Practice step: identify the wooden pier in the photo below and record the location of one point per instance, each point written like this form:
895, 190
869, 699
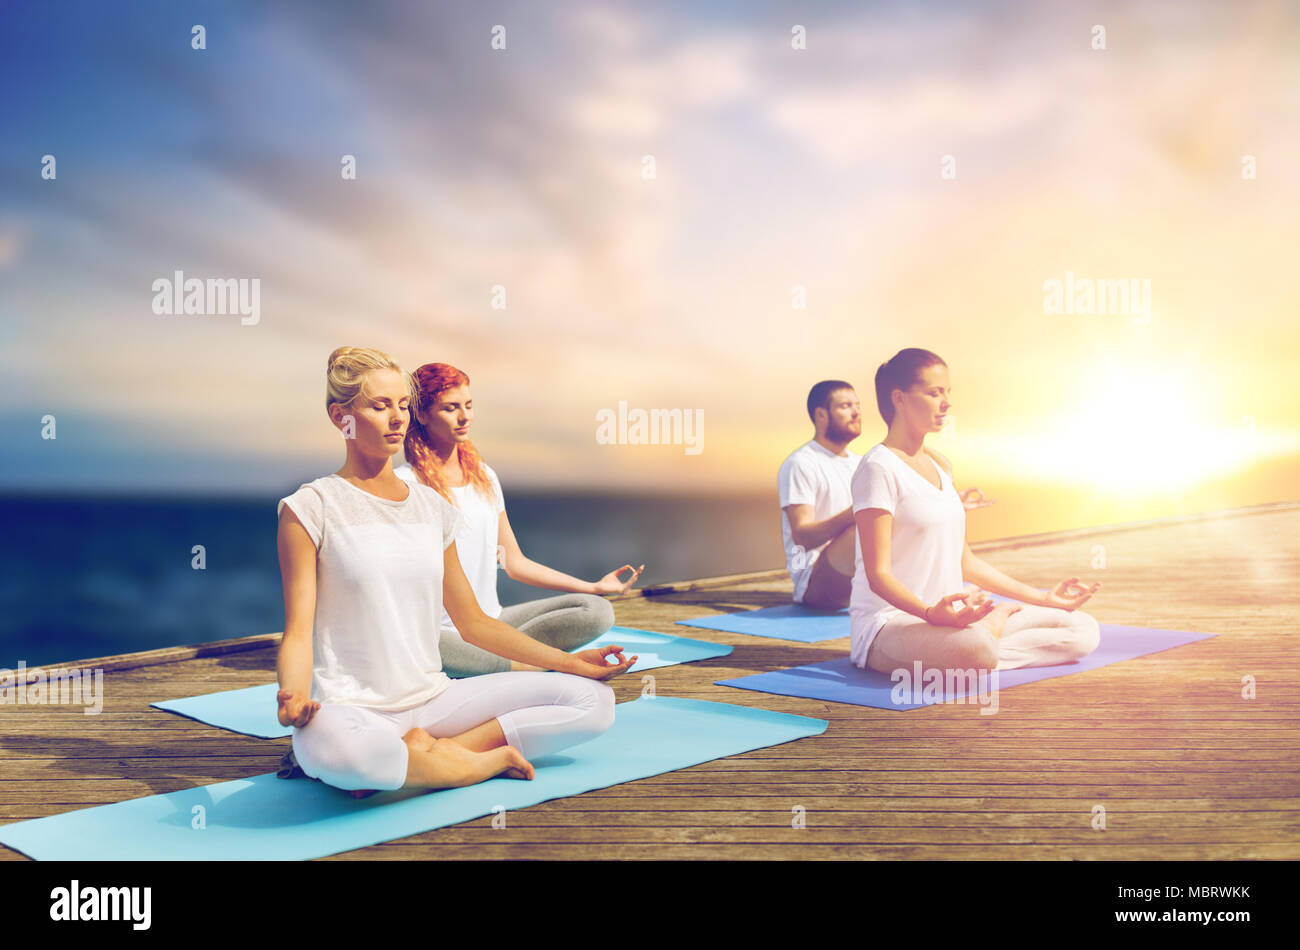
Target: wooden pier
1183, 765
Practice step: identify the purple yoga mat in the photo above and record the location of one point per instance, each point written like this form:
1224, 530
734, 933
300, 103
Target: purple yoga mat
840, 681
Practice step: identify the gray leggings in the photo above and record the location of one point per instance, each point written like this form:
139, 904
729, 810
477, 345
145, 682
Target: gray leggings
565, 622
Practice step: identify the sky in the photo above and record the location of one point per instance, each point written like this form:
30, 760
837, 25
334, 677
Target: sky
916, 175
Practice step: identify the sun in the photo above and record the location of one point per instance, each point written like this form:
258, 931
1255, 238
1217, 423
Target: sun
1140, 430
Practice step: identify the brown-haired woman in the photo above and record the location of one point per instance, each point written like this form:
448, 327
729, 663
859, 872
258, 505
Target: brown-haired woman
910, 602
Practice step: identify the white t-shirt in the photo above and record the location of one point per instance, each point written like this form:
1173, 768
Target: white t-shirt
812, 475
476, 540
929, 534
378, 592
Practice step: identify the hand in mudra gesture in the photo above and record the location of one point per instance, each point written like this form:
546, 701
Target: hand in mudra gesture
945, 613
1069, 594
294, 710
612, 583
600, 670
974, 498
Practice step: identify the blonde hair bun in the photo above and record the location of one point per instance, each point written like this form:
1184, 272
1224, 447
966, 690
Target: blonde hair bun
345, 373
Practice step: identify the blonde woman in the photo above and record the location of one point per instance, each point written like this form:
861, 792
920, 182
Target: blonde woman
367, 562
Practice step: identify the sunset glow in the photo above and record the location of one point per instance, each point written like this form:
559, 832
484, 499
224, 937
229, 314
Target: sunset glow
915, 177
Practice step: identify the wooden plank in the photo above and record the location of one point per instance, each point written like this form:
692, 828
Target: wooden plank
705, 851
1185, 767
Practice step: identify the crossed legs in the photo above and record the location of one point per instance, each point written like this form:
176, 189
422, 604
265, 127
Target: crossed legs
475, 729
565, 622
830, 582
1032, 636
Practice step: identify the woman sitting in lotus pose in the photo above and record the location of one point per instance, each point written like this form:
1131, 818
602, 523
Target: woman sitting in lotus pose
368, 561
909, 601
442, 457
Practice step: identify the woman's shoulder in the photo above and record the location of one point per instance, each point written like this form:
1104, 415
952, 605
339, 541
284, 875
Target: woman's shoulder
496, 484
874, 464
310, 505
876, 456
317, 487
319, 484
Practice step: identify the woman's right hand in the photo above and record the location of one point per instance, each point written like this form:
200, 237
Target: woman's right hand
293, 709
613, 583
597, 668
945, 613
1069, 594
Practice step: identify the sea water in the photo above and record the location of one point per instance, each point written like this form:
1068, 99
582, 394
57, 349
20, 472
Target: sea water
84, 577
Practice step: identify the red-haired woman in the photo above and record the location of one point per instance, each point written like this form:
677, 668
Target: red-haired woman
442, 457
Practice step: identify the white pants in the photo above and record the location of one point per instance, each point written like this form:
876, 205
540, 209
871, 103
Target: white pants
1046, 636
355, 747
1033, 636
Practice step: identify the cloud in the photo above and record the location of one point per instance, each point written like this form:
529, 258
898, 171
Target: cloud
522, 168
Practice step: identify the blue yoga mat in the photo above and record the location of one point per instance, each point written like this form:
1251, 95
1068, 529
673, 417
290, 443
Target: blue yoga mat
252, 711
787, 622
265, 818
841, 682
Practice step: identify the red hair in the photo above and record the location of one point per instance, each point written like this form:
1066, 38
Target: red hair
431, 381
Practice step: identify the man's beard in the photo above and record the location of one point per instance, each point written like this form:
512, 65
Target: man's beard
840, 433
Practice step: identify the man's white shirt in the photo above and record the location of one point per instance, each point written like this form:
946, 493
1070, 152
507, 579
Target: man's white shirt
813, 475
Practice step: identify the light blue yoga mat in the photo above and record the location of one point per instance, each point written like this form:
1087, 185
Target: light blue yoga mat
787, 622
265, 818
841, 682
252, 711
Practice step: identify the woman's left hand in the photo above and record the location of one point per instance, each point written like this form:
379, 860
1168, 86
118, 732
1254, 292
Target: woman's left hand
1069, 594
612, 583
596, 657
974, 498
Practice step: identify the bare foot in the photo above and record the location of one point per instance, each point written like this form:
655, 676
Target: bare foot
996, 619
484, 765
516, 765
419, 740
445, 763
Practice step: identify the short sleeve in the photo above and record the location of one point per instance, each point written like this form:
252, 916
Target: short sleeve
499, 502
797, 483
308, 505
874, 486
451, 519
